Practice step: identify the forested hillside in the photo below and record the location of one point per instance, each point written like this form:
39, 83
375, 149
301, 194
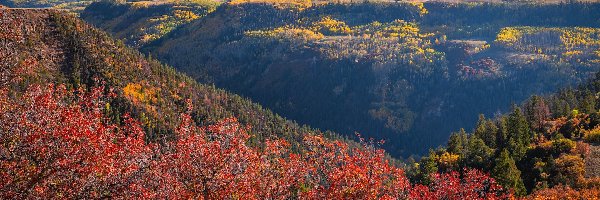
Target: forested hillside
84, 117
536, 146
51, 47
139, 23
408, 73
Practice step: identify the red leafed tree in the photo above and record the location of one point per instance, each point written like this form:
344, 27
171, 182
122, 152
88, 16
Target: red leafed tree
54, 144
473, 184
215, 163
337, 172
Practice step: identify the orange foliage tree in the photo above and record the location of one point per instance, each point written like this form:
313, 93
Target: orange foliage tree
565, 192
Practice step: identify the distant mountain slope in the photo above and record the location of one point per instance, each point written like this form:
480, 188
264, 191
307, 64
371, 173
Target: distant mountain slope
408, 73
59, 4
142, 22
46, 46
78, 5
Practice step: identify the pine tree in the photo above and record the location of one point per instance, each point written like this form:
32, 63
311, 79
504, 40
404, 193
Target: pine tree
478, 155
507, 173
487, 130
588, 103
427, 166
519, 135
458, 142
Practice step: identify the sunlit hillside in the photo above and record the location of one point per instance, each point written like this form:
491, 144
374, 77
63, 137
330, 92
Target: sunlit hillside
322, 99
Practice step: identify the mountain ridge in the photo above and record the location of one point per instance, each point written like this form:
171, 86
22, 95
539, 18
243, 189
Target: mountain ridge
150, 91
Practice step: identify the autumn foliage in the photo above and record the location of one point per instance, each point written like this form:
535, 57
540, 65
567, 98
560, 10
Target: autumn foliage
57, 143
565, 192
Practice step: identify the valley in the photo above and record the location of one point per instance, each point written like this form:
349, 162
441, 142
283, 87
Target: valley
269, 99
447, 70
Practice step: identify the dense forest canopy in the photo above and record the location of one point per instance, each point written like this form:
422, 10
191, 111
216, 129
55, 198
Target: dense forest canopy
408, 73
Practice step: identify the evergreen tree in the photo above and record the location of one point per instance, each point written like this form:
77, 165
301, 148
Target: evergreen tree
588, 103
503, 135
478, 155
487, 131
507, 173
458, 142
519, 134
428, 166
